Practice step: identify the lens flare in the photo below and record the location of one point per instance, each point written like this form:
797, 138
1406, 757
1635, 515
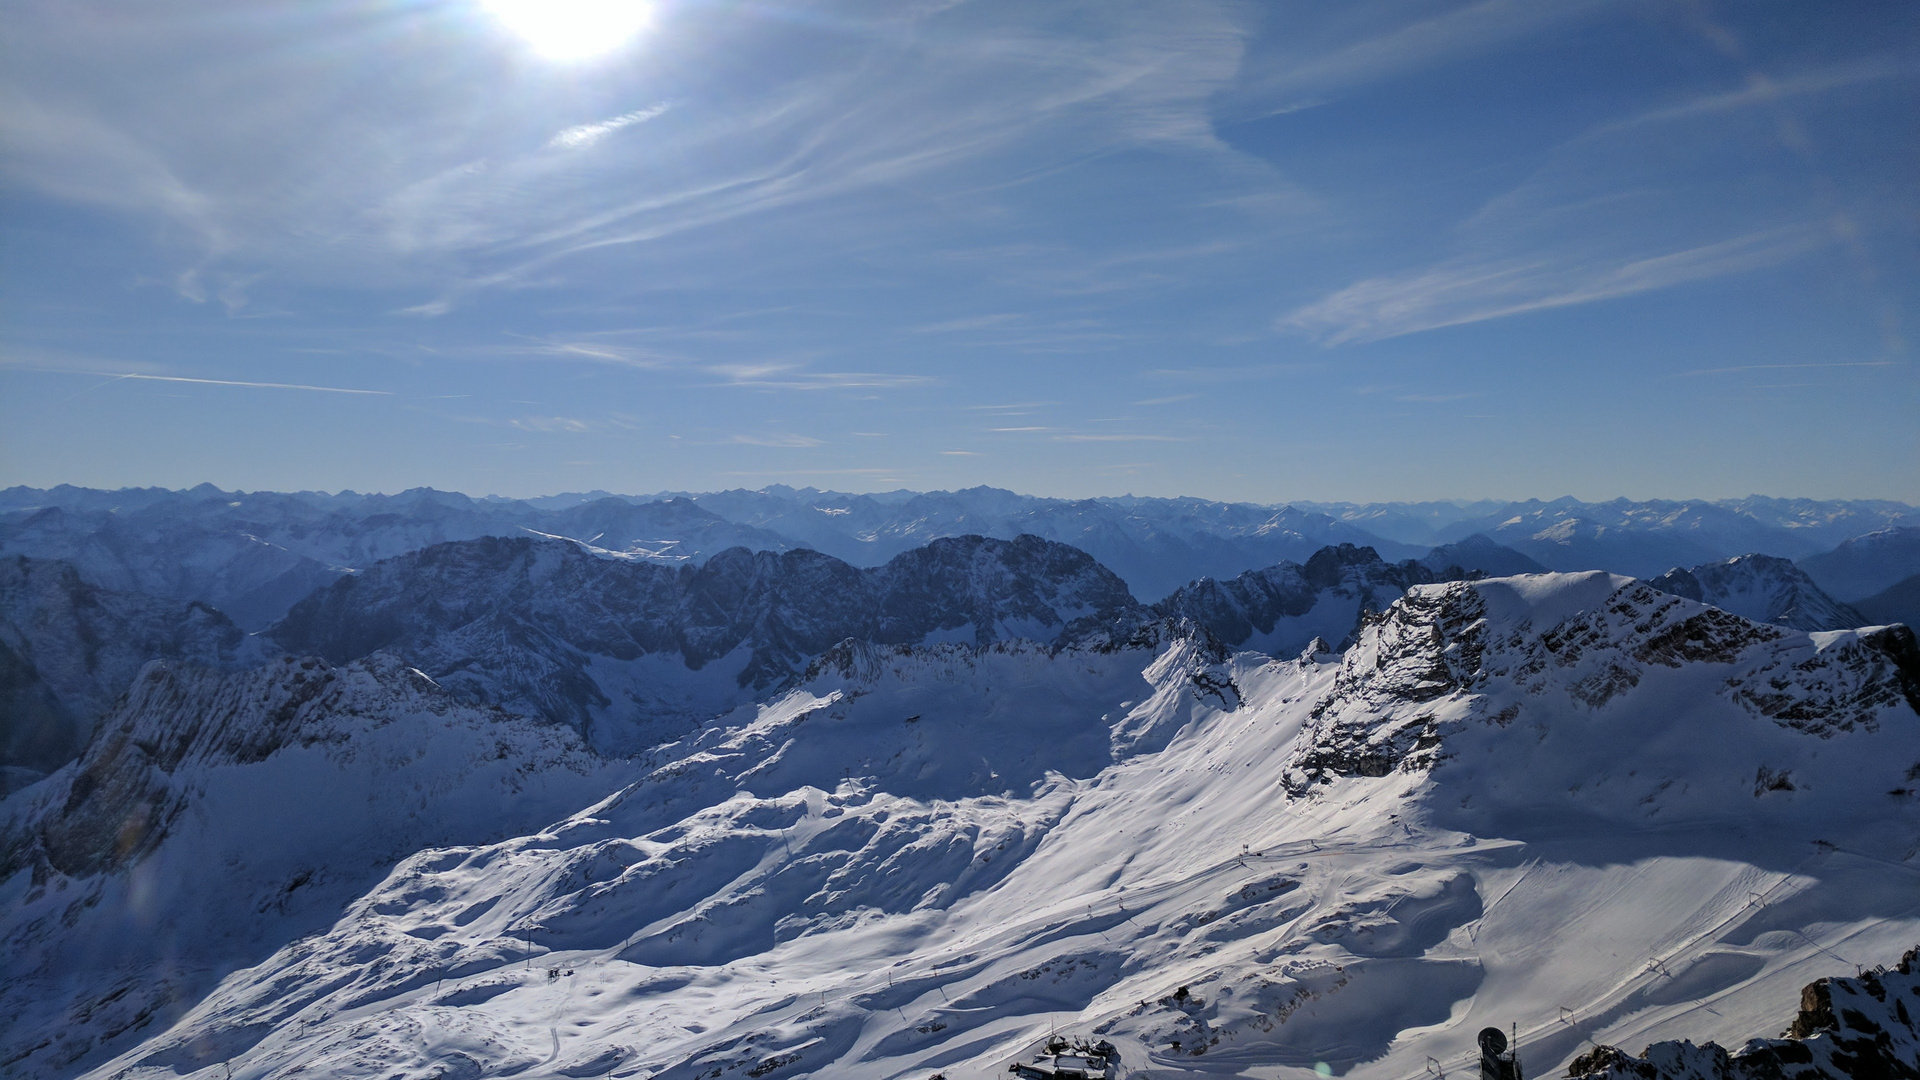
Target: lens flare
572, 29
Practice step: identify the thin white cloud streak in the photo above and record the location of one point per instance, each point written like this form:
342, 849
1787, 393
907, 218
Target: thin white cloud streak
770, 375
1586, 228
815, 472
1761, 91
1244, 373
826, 380
551, 424
1786, 367
783, 442
117, 376
1433, 399
585, 135
1116, 438
1304, 81
1466, 291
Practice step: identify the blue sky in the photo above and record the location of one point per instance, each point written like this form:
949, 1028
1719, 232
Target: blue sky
1497, 248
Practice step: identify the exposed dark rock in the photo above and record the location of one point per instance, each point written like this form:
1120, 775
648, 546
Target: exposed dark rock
519, 621
1763, 588
1281, 608
1858, 1028
68, 648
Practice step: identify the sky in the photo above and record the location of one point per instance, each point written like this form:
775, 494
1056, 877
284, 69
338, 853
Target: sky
1422, 249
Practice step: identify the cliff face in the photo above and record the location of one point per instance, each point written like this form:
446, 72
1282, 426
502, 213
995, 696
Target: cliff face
1279, 610
68, 648
1849, 1028
578, 637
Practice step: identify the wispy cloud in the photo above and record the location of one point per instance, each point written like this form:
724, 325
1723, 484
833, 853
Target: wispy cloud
1395, 46
1591, 223
1169, 400
1229, 374
961, 453
1466, 290
786, 377
1434, 399
113, 376
786, 442
584, 135
550, 424
1763, 90
604, 353
976, 322
1129, 437
1741, 368
877, 473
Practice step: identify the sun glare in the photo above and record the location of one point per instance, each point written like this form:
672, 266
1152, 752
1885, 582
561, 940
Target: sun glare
572, 29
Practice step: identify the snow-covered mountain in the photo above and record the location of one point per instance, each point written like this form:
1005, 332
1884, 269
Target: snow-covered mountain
68, 648
1826, 522
1478, 554
1869, 564
1283, 609
633, 652
216, 817
1569, 803
1626, 537
1156, 545
1764, 588
252, 555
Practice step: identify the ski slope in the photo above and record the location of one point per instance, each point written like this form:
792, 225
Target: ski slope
1567, 804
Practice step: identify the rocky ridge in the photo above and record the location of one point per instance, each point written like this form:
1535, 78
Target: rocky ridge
217, 815
1280, 609
69, 647
1848, 1028
1483, 652
1764, 588
557, 630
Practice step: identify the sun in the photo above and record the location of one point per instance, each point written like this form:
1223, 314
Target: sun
572, 29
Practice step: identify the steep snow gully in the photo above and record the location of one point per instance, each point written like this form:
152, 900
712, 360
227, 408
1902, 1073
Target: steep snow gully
1571, 806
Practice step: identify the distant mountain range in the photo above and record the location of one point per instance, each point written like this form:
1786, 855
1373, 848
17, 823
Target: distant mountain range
252, 555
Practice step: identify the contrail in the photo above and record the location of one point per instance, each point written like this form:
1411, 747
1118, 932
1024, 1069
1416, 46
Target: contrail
223, 382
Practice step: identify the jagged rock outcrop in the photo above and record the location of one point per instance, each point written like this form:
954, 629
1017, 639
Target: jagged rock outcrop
1848, 1028
1446, 655
533, 624
1763, 588
1281, 608
69, 647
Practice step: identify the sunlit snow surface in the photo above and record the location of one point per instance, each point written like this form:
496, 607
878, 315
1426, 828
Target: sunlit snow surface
1600, 813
